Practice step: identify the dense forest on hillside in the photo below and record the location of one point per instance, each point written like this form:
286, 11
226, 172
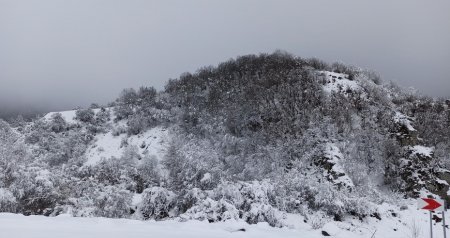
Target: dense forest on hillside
252, 138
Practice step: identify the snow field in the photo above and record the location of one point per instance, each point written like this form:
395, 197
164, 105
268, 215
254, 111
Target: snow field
394, 224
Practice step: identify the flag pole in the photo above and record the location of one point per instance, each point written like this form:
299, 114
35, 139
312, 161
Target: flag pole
431, 226
443, 224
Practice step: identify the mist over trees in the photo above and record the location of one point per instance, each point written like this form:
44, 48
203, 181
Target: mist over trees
252, 138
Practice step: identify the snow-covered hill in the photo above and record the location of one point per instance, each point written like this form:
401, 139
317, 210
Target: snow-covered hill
298, 145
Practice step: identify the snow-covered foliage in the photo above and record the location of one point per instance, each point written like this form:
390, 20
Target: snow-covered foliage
157, 203
255, 138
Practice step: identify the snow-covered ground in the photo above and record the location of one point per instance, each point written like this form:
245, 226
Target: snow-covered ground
394, 224
338, 82
18, 226
153, 142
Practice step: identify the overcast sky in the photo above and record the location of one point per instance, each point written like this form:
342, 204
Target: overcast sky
57, 54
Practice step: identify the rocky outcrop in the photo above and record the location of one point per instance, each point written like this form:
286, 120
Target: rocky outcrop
332, 170
404, 132
418, 169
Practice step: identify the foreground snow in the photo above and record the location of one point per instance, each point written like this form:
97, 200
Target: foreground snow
394, 224
17, 226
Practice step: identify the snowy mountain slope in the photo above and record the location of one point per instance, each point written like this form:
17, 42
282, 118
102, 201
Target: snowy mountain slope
269, 139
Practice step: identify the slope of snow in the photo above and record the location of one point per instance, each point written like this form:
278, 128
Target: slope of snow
152, 142
336, 82
106, 146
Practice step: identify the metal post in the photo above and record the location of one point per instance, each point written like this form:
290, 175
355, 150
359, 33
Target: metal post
443, 224
431, 226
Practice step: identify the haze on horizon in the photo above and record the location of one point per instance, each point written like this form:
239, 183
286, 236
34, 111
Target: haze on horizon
57, 55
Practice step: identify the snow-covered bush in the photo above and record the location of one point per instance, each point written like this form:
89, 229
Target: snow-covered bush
263, 213
8, 202
35, 192
102, 116
247, 201
112, 202
212, 211
192, 164
253, 202
125, 104
317, 220
108, 201
131, 154
148, 172
85, 115
136, 125
304, 193
57, 124
118, 130
108, 172
157, 203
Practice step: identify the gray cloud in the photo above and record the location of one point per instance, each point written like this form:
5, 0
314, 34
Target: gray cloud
60, 54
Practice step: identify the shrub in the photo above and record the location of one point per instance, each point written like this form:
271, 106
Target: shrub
102, 116
35, 193
112, 202
108, 201
108, 172
136, 125
57, 124
148, 171
118, 130
157, 202
85, 115
212, 211
8, 202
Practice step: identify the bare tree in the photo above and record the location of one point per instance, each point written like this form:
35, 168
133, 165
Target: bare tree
414, 229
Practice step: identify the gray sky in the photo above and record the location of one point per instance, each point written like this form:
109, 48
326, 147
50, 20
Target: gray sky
58, 54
